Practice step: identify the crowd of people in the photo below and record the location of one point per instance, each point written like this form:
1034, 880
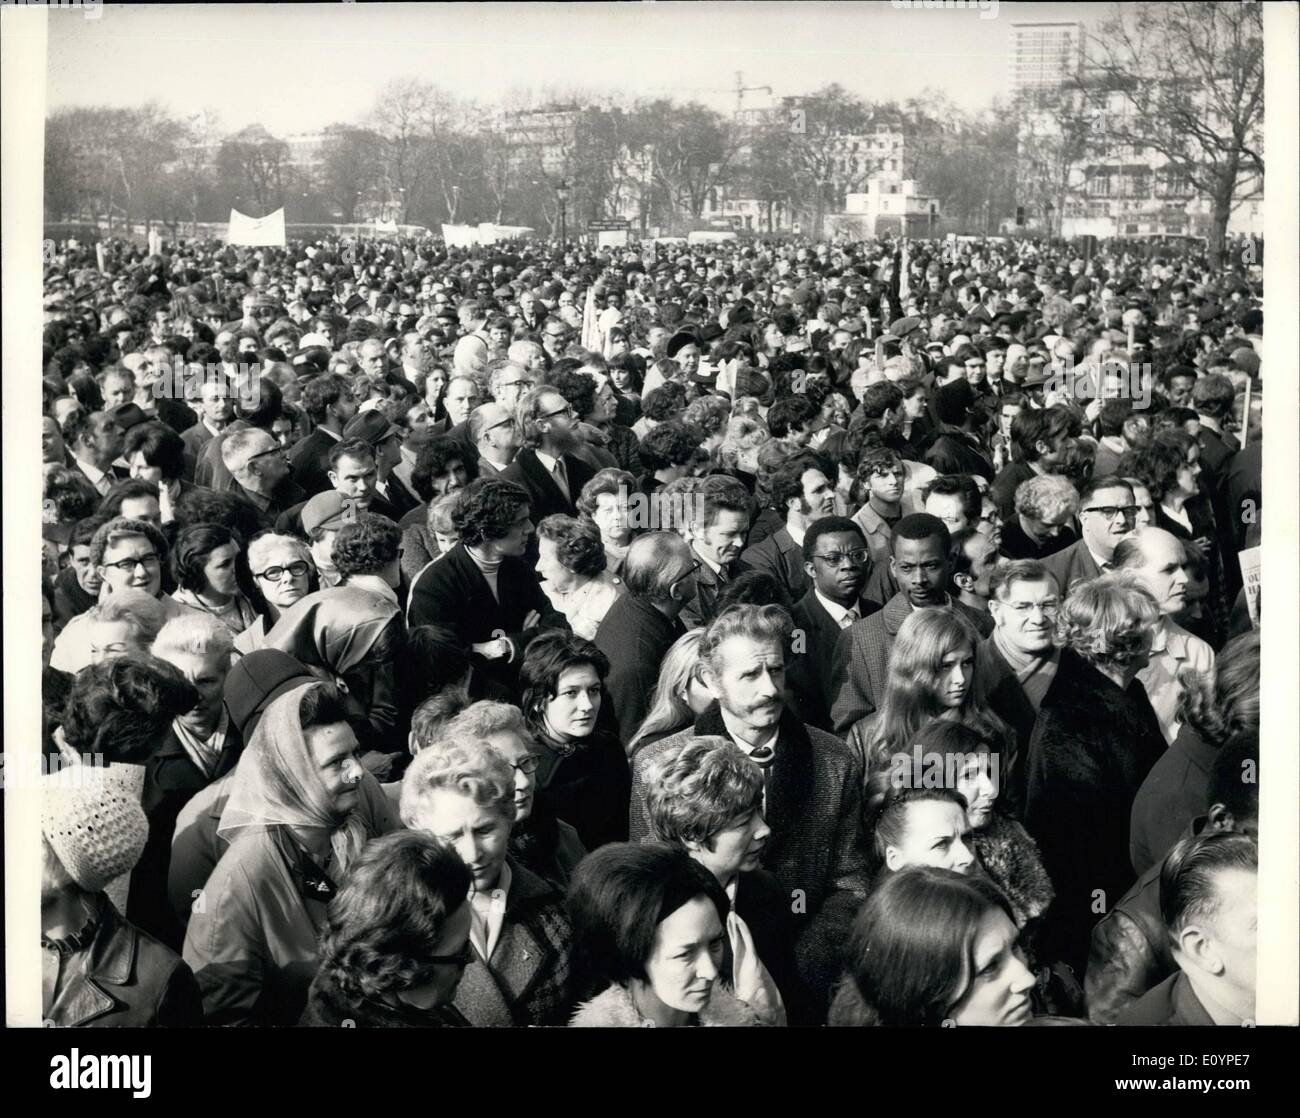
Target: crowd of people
763, 633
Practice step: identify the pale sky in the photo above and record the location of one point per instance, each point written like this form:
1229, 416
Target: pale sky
295, 68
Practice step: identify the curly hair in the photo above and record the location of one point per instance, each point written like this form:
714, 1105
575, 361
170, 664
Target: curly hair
466, 766
434, 459
577, 388
366, 545
108, 533
612, 481
1220, 704
699, 788
664, 403
1109, 620
669, 444
120, 709
789, 413
577, 543
488, 511
1046, 496
709, 413
69, 494
391, 913
1157, 464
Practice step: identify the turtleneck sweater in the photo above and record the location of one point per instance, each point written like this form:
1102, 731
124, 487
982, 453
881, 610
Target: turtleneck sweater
489, 567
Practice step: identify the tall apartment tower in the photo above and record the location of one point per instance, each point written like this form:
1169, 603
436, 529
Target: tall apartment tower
1044, 54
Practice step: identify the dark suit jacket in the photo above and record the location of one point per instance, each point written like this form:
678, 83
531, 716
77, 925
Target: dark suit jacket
1072, 564
544, 496
1092, 747
1243, 481
862, 658
1173, 793
453, 593
782, 558
814, 803
1216, 450
309, 457
810, 669
1003, 489
953, 452
634, 636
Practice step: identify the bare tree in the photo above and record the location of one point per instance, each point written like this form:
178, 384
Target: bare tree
1189, 78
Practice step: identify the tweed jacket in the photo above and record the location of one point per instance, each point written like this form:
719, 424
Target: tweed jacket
634, 636
782, 558
614, 1009
525, 980
1092, 746
545, 497
814, 808
452, 593
862, 658
809, 671
1130, 953
1071, 565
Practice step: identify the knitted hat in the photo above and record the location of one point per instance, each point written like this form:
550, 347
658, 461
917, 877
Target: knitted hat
94, 824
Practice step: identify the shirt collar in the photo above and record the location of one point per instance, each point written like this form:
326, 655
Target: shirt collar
547, 461
795, 534
743, 745
836, 610
91, 470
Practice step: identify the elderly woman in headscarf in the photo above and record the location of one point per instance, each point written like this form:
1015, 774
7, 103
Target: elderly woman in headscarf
352, 637
296, 819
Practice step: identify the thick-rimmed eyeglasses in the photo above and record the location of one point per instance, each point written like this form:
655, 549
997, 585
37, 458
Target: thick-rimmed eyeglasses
857, 557
528, 765
128, 566
1110, 512
567, 410
274, 574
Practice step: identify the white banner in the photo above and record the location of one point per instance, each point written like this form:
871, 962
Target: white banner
460, 236
385, 226
245, 230
612, 238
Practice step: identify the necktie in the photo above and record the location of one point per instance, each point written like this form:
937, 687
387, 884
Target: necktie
561, 478
848, 619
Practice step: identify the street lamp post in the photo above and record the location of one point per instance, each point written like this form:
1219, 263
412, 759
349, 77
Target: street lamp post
562, 194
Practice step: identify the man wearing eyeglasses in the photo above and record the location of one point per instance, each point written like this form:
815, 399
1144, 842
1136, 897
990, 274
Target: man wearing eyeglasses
836, 560
1019, 659
1107, 513
495, 435
546, 467
259, 472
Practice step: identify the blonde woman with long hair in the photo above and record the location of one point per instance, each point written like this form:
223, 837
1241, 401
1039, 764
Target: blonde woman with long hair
931, 675
679, 695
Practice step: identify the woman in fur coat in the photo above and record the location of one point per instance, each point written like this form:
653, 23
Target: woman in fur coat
650, 941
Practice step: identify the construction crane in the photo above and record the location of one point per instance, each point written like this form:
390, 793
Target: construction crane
742, 89
739, 89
